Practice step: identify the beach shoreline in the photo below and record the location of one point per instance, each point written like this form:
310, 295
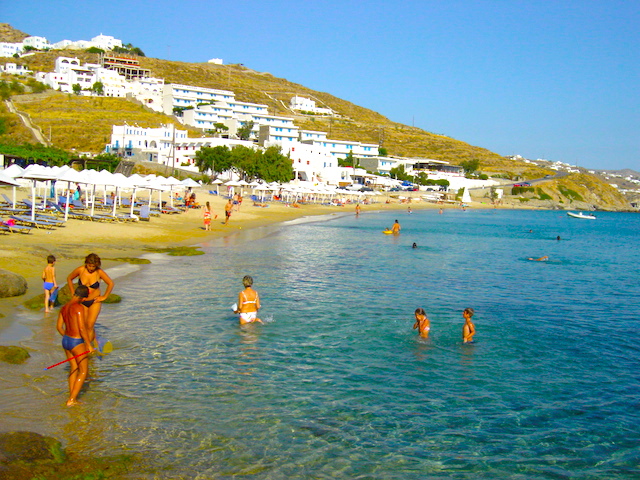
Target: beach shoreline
117, 243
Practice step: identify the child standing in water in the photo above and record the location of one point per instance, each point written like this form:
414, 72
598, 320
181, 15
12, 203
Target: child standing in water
469, 329
72, 326
49, 283
422, 323
248, 303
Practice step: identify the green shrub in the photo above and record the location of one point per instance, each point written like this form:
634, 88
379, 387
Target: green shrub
542, 195
570, 194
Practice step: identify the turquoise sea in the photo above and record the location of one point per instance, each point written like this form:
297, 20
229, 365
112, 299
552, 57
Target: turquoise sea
337, 385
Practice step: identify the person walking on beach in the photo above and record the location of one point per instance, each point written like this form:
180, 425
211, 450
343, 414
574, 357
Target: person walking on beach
468, 329
72, 325
207, 217
422, 323
227, 211
49, 284
395, 228
90, 275
248, 302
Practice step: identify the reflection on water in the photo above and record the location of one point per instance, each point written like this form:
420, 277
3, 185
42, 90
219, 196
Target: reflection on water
340, 386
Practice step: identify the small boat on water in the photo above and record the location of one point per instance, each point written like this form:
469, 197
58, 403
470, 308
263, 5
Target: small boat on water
582, 215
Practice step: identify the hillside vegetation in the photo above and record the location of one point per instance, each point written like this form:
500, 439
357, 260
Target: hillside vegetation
84, 124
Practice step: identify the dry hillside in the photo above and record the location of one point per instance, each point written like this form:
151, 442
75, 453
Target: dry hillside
8, 34
351, 122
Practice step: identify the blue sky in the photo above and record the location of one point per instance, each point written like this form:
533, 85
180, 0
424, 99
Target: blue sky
547, 79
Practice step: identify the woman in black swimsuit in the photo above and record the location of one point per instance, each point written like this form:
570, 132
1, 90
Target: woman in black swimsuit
90, 275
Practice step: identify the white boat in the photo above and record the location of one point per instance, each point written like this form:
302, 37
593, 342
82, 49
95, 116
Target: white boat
582, 215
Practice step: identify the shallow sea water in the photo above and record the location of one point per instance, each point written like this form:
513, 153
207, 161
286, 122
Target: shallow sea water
337, 385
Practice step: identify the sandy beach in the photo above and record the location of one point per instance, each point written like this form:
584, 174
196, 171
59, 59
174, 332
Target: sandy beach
25, 254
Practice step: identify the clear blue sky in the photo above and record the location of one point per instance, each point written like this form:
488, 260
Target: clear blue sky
547, 79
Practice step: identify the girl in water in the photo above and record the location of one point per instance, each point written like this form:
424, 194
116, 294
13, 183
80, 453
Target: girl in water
90, 275
248, 303
422, 323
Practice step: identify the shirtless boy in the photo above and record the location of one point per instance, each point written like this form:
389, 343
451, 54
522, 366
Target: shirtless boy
422, 323
227, 211
75, 340
469, 329
248, 303
49, 283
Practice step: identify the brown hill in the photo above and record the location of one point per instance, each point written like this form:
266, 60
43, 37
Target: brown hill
351, 122
9, 34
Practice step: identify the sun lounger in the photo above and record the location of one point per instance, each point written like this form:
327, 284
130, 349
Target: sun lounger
170, 209
10, 227
24, 220
50, 219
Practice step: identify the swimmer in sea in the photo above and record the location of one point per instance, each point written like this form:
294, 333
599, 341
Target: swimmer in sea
422, 323
541, 259
469, 329
248, 303
396, 228
415, 245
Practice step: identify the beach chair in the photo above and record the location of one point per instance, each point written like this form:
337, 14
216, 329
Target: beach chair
24, 220
29, 205
170, 209
10, 226
145, 213
49, 218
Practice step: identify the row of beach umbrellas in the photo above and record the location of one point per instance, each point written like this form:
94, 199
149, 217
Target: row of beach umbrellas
92, 179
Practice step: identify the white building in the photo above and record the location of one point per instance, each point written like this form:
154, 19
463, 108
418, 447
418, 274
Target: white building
105, 42
149, 144
215, 61
69, 71
307, 105
165, 145
14, 69
10, 49
39, 43
187, 96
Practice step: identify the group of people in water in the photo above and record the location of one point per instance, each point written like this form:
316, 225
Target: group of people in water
423, 324
77, 318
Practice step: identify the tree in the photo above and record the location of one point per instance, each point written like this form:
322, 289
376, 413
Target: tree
470, 166
399, 174
98, 88
112, 159
274, 166
214, 159
244, 132
76, 88
382, 151
245, 161
94, 50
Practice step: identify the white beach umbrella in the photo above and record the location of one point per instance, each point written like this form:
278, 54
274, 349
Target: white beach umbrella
190, 182
36, 173
70, 176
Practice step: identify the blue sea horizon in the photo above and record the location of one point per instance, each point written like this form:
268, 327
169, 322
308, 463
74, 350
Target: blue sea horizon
336, 384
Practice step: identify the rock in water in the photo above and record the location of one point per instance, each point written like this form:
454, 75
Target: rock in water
11, 284
29, 447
